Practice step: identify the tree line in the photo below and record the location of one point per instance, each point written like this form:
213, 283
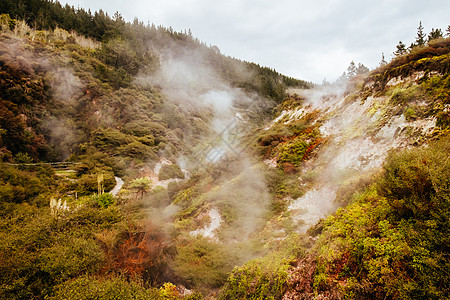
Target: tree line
421, 39
129, 46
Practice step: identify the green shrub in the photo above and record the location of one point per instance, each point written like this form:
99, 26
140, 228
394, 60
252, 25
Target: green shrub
147, 140
115, 287
22, 158
69, 256
137, 150
417, 181
293, 152
88, 217
443, 119
40, 251
351, 188
22, 185
258, 279
104, 200
88, 183
410, 114
204, 264
437, 88
169, 172
109, 138
142, 128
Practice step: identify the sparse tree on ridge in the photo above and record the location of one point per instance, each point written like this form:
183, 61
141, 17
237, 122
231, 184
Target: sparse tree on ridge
435, 34
325, 82
448, 31
342, 78
362, 69
383, 61
420, 39
401, 49
351, 70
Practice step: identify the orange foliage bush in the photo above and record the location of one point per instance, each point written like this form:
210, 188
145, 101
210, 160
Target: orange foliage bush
142, 252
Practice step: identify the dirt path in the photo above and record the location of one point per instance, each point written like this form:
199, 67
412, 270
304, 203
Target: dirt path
118, 187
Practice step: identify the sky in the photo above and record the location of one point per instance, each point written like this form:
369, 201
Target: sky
310, 40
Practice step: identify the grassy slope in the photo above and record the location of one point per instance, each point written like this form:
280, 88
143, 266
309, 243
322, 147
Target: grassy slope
391, 241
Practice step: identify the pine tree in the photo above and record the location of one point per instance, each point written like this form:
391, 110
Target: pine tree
420, 39
362, 69
401, 49
448, 31
351, 70
342, 78
435, 34
383, 62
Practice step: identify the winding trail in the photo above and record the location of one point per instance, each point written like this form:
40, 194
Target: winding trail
118, 187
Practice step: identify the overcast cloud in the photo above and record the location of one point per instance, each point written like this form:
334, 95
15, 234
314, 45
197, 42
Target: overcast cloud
309, 40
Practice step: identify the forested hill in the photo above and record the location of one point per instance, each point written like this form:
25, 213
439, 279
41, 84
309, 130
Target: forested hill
140, 39
118, 51
138, 162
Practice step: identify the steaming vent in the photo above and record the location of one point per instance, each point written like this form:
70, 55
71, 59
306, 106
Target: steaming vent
359, 136
209, 229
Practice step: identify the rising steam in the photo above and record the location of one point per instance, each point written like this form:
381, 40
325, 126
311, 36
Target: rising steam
359, 137
64, 85
193, 85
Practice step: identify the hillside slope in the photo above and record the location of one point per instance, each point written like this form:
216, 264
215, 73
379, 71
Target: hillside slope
377, 151
236, 181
